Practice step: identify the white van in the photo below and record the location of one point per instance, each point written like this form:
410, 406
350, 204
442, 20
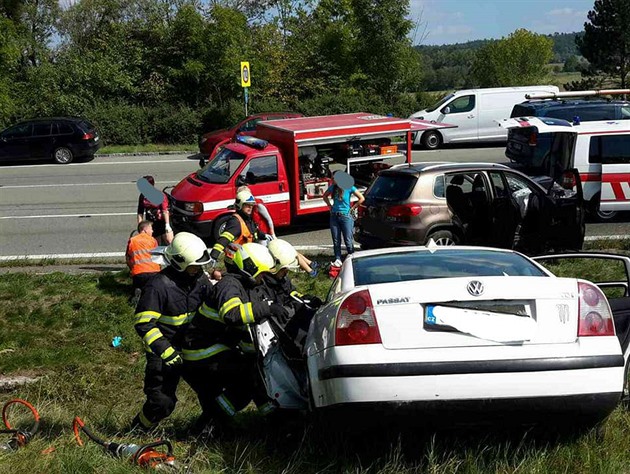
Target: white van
600, 151
474, 112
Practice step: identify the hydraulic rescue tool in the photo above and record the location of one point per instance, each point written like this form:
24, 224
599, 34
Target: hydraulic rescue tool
144, 455
20, 437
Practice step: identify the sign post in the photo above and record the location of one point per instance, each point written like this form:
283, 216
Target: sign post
246, 81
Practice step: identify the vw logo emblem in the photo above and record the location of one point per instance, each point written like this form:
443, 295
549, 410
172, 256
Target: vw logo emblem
475, 288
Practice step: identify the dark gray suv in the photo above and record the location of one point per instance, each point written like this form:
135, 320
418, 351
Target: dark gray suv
471, 203
584, 110
60, 139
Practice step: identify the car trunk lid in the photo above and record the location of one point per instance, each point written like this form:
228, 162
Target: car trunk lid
446, 313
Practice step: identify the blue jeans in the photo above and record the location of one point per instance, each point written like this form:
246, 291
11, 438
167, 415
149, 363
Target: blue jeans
341, 224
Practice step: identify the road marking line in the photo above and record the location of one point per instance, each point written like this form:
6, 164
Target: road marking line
72, 215
110, 163
75, 184
67, 256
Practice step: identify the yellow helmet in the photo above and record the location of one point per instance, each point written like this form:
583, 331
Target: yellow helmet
284, 253
185, 250
244, 197
252, 259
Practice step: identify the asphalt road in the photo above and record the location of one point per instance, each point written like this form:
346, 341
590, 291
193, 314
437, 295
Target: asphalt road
90, 207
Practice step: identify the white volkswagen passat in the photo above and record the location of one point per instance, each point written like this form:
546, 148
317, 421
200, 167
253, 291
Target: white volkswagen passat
463, 329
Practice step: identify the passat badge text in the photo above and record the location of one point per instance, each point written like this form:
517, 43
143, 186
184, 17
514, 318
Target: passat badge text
404, 299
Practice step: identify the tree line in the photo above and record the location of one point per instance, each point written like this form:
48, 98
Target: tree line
166, 70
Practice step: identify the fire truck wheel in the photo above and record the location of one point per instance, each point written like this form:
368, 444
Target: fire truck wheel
218, 227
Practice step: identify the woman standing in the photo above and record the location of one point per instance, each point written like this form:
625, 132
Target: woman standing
156, 213
341, 220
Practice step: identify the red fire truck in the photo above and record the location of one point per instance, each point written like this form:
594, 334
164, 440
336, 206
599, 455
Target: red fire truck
288, 165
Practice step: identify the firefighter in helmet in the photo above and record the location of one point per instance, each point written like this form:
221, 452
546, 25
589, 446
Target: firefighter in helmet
280, 289
240, 228
217, 348
165, 309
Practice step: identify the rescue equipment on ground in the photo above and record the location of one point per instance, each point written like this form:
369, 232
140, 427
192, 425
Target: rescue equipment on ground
20, 437
143, 455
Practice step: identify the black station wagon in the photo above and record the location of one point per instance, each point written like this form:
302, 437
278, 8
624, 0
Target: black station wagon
60, 139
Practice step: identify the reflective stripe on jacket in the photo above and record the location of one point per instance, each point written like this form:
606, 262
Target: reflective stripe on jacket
223, 318
238, 229
165, 309
139, 254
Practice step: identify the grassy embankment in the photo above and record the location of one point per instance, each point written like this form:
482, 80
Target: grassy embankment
148, 148
59, 327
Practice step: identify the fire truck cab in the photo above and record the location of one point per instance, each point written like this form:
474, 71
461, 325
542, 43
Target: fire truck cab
288, 165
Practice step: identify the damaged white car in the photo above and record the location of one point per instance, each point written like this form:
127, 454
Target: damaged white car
465, 330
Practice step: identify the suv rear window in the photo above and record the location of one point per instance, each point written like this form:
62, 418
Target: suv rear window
85, 126
522, 111
392, 187
422, 265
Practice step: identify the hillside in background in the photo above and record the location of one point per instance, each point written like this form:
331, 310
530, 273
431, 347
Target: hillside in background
446, 66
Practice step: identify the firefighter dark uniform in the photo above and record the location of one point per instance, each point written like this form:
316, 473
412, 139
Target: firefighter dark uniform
216, 359
240, 229
164, 311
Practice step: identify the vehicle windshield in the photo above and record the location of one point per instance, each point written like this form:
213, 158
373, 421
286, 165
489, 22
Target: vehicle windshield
424, 265
440, 103
222, 167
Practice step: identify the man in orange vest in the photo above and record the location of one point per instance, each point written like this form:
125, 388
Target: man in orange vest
138, 255
240, 228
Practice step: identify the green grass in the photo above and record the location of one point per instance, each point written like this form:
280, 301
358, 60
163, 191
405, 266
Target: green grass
59, 327
149, 148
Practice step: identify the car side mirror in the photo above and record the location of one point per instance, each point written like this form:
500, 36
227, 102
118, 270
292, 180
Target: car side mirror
446, 110
240, 180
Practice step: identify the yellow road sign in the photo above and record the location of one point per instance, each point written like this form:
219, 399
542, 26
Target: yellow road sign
246, 76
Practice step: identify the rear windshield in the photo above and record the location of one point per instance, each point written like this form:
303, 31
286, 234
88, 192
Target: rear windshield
391, 187
520, 110
222, 167
85, 126
545, 153
443, 263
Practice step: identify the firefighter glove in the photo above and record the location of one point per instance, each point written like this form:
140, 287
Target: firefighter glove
174, 360
312, 301
280, 313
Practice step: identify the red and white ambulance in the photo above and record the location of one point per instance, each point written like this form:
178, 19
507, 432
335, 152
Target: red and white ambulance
600, 151
288, 165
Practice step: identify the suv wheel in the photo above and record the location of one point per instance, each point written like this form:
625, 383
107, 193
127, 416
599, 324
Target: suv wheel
62, 155
443, 237
431, 140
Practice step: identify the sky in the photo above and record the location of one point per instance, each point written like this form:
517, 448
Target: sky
458, 21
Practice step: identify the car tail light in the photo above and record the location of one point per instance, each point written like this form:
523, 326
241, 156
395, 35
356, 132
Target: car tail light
568, 180
533, 139
361, 211
404, 212
195, 208
356, 321
595, 318
88, 136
